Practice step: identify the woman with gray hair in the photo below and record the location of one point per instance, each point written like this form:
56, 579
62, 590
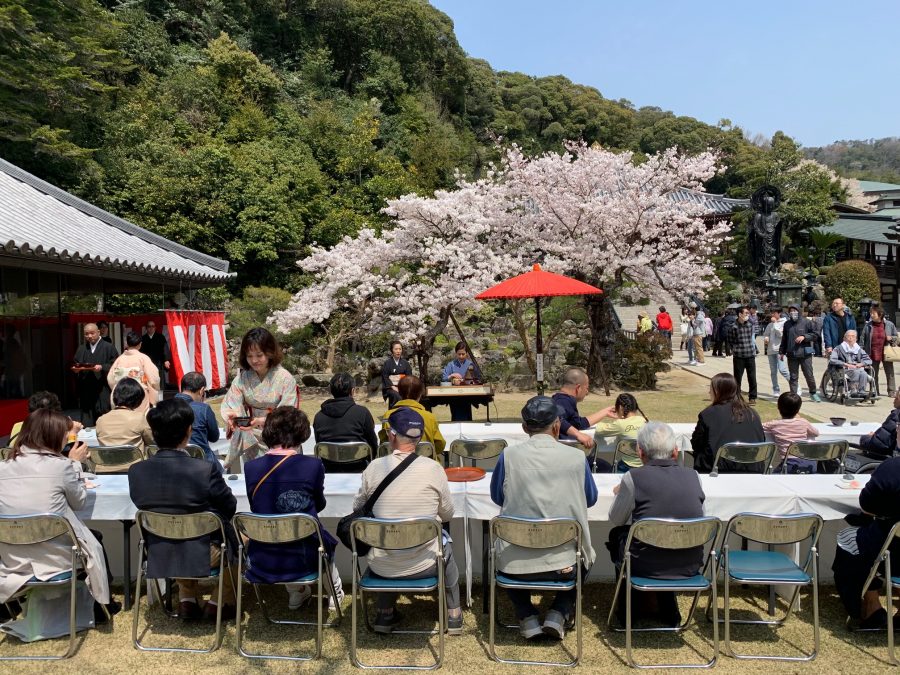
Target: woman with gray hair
850, 356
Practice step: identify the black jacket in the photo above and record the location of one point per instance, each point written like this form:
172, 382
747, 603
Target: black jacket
884, 440
792, 330
715, 427
881, 498
171, 481
391, 367
341, 420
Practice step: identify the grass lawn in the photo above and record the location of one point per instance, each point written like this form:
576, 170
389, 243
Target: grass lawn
109, 649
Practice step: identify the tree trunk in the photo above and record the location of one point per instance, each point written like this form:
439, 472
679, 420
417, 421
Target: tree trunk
518, 315
425, 347
603, 337
330, 354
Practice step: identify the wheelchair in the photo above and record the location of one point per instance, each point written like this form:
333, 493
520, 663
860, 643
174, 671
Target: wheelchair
835, 386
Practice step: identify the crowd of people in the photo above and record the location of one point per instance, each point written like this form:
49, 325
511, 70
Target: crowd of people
267, 431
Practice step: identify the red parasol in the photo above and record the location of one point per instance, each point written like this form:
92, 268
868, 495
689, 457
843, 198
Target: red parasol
537, 284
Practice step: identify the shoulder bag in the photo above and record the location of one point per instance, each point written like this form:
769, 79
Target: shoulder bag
365, 511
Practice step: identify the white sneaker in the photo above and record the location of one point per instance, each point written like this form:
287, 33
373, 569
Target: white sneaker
692, 363
296, 599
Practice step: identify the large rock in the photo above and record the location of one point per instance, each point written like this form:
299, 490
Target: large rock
316, 379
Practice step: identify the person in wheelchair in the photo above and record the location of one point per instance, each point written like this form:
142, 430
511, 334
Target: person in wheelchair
850, 356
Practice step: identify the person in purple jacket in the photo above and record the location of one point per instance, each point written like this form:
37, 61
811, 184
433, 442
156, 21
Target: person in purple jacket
285, 481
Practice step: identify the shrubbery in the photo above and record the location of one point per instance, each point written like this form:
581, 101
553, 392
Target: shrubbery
851, 281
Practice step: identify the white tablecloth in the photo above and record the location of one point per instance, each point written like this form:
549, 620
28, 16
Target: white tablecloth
220, 447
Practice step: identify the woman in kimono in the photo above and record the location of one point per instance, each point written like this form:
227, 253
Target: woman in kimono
261, 386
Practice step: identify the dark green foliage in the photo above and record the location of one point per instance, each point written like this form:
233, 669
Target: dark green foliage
637, 361
851, 281
877, 159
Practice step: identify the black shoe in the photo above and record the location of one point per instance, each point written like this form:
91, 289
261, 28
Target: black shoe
189, 611
229, 612
384, 623
877, 620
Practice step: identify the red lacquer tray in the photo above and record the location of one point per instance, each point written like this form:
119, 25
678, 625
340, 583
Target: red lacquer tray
464, 474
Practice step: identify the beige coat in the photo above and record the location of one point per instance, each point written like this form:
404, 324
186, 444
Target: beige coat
124, 427
132, 363
40, 483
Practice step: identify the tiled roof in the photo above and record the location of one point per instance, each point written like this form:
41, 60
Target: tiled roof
872, 227
868, 186
715, 204
43, 222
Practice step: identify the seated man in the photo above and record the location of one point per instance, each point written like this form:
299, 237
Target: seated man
853, 358
411, 391
206, 428
342, 420
174, 482
575, 386
661, 488
565, 490
421, 490
858, 546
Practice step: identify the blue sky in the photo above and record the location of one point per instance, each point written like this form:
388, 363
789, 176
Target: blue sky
819, 70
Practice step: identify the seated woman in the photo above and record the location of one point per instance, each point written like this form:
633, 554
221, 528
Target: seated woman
883, 441
285, 481
461, 370
728, 419
850, 356
623, 419
125, 424
411, 392
38, 479
858, 547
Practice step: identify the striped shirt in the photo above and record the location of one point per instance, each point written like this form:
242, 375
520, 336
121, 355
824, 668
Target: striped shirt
421, 490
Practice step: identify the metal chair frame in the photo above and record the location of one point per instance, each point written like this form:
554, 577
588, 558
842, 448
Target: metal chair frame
423, 448
343, 453
819, 451
539, 534
475, 450
674, 534
730, 452
191, 526
97, 452
282, 529
391, 535
773, 530
625, 447
835, 385
36, 529
193, 450
884, 557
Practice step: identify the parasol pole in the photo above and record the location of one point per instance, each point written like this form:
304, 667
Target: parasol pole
539, 348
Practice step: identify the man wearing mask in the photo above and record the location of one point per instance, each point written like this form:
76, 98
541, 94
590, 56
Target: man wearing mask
837, 322
797, 340
742, 335
93, 359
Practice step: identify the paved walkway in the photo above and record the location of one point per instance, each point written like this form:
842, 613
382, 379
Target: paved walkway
863, 412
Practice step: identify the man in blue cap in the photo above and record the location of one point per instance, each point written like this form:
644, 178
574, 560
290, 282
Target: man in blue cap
420, 490
542, 478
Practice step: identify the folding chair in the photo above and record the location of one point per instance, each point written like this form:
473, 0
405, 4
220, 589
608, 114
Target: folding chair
769, 568
115, 459
179, 527
818, 451
343, 453
746, 453
423, 448
538, 534
891, 582
475, 451
395, 535
290, 528
194, 451
671, 534
626, 448
37, 529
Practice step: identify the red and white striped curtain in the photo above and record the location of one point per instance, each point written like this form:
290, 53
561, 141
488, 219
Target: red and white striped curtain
197, 342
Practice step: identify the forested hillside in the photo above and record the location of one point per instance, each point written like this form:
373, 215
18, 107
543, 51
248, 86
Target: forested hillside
877, 159
250, 129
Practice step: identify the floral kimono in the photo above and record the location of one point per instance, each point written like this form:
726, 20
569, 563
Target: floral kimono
251, 396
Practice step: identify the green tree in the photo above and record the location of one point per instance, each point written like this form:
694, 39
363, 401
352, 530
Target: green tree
852, 280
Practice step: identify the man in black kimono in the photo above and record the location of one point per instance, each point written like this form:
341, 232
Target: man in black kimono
155, 346
93, 389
